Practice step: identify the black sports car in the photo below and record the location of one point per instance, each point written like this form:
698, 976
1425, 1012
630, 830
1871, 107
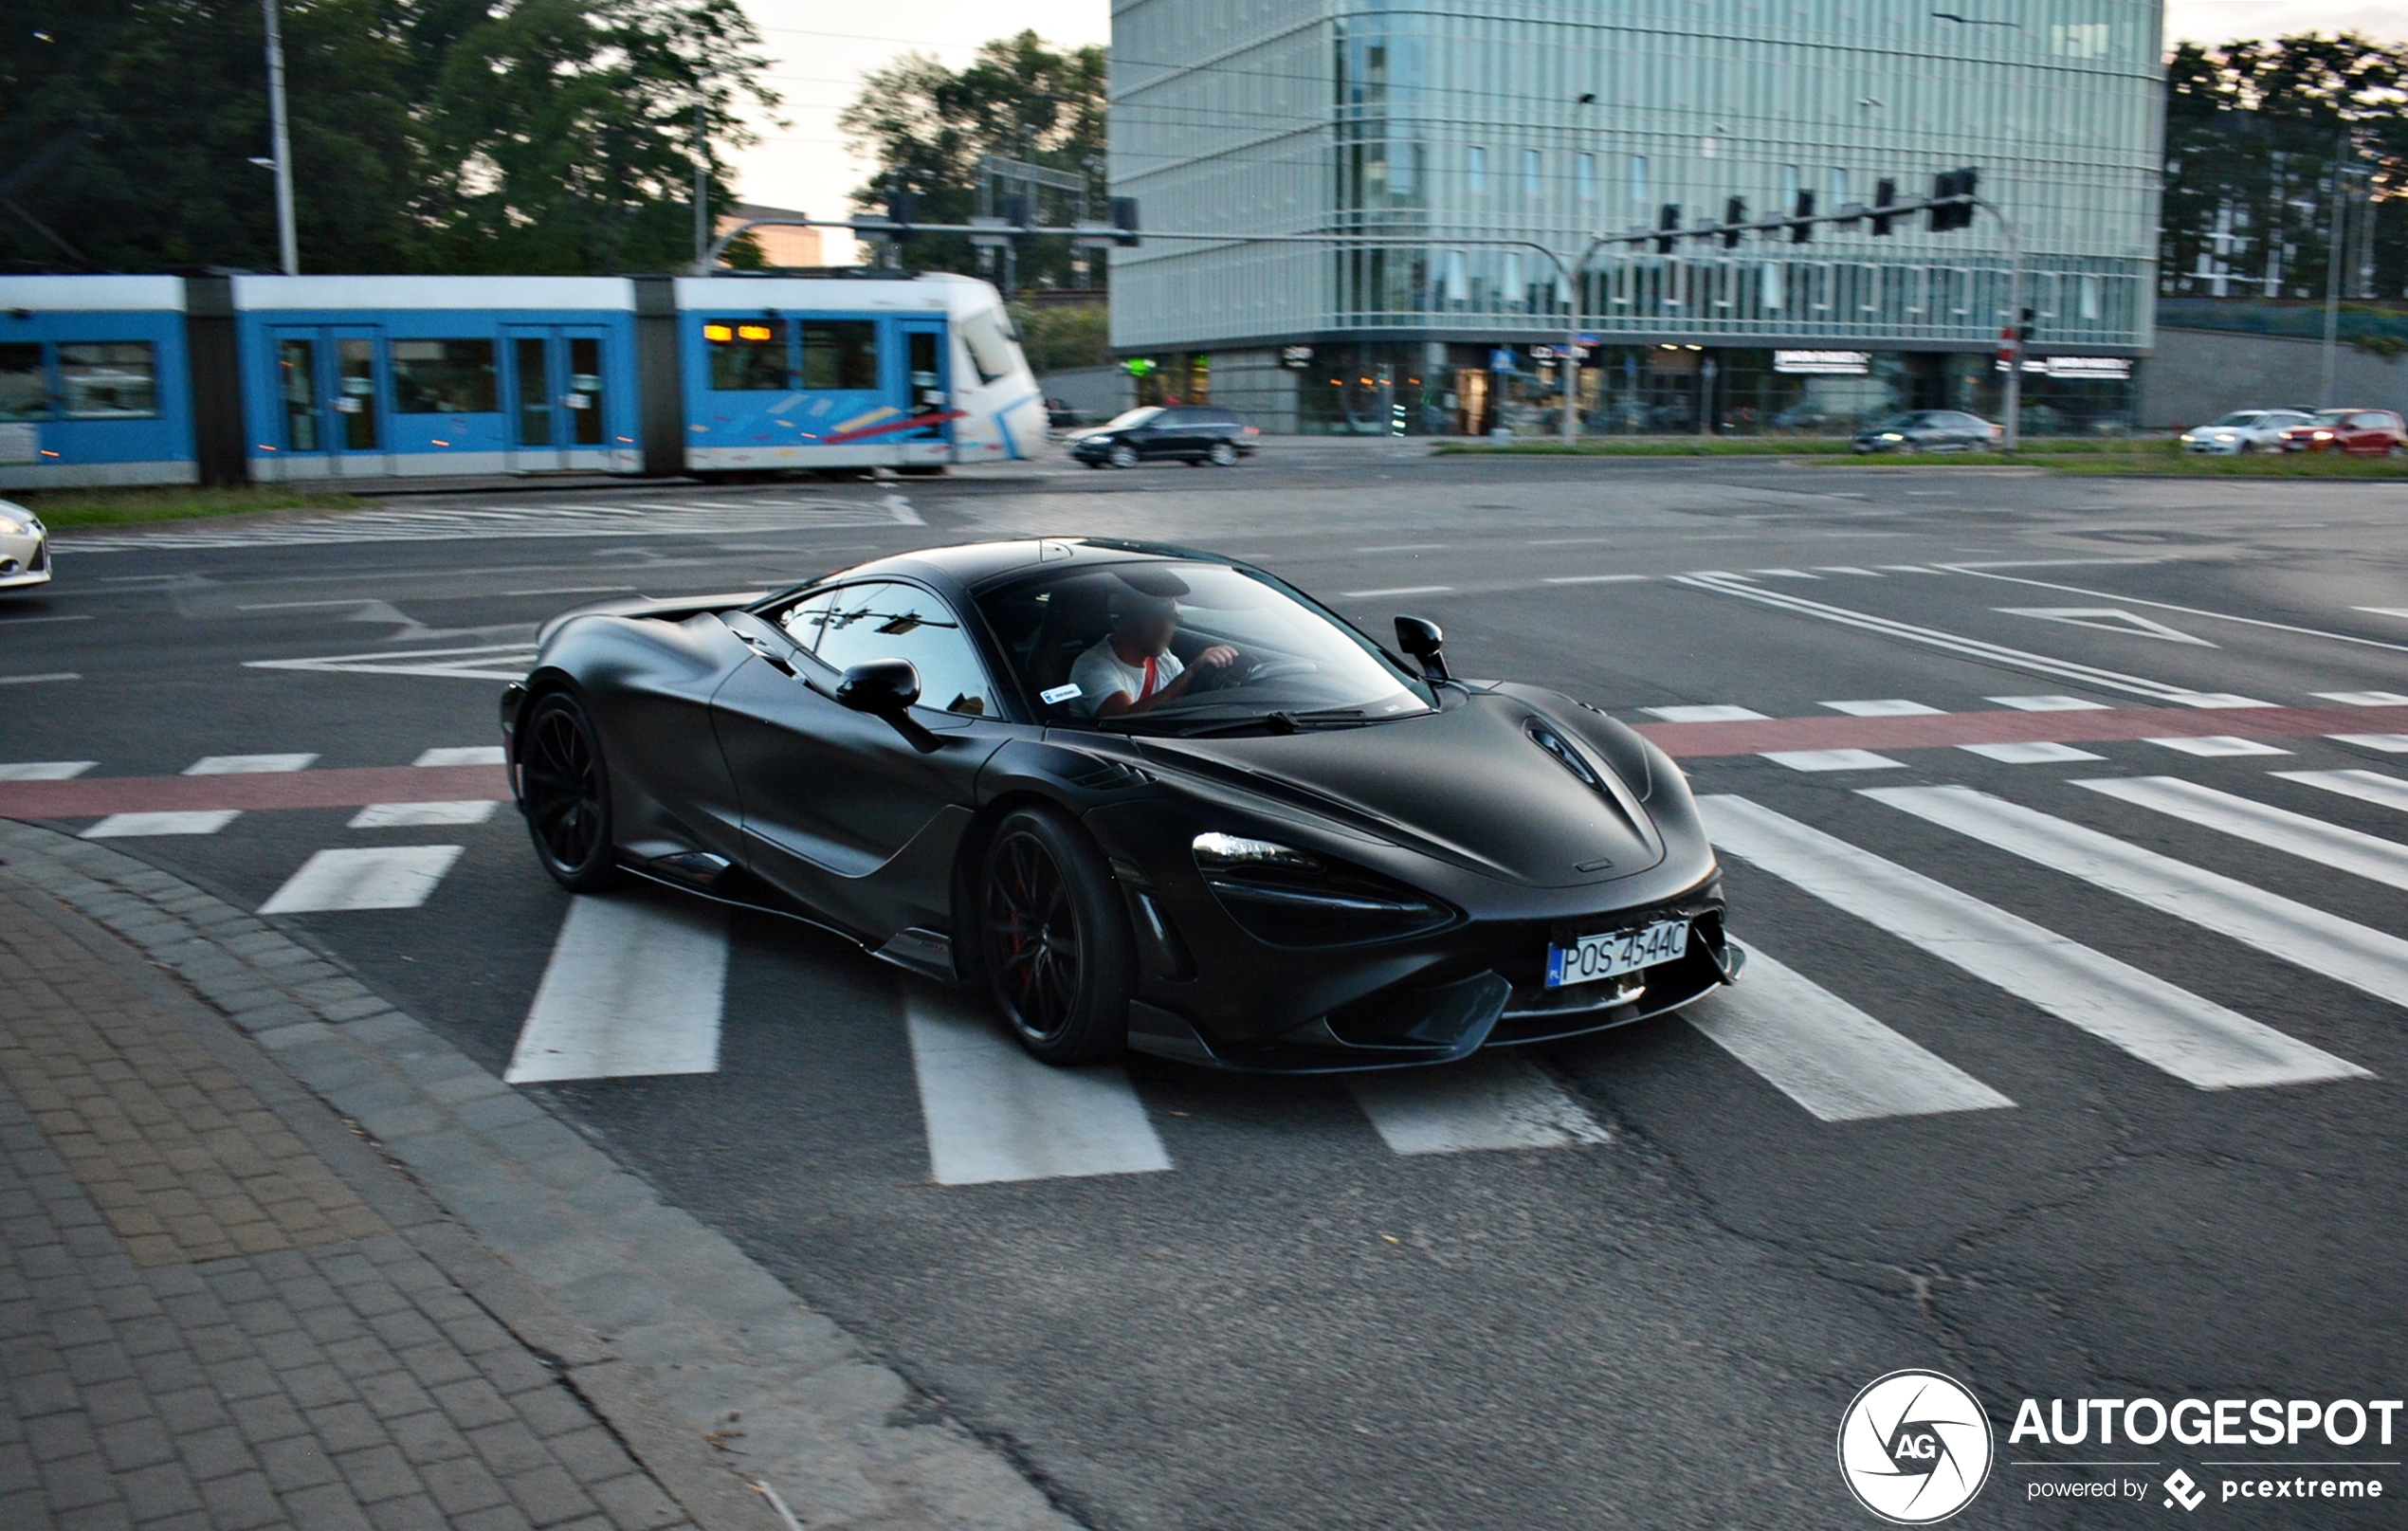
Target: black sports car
1142, 797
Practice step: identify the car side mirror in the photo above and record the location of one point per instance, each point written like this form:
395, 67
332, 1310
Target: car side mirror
1421, 638
883, 688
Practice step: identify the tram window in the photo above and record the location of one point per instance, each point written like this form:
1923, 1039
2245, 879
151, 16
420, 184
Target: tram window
990, 342
444, 378
24, 392
109, 380
748, 355
840, 354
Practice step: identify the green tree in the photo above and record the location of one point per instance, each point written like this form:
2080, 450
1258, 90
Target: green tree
2255, 131
926, 126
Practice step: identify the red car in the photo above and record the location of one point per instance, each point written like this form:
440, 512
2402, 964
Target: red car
2359, 432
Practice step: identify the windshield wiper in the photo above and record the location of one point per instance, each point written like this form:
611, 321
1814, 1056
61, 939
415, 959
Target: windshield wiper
1278, 722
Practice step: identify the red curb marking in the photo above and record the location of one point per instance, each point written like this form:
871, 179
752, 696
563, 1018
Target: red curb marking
94, 797
1930, 731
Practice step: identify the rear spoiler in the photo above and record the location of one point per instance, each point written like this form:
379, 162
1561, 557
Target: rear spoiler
669, 609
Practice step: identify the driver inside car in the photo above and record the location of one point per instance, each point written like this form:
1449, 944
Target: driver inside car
1132, 668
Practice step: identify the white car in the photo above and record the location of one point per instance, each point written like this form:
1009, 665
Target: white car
2245, 430
24, 548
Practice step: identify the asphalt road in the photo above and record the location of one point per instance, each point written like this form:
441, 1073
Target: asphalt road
1657, 1317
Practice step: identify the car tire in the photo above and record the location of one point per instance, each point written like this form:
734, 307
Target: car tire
2398, 449
1224, 454
1053, 941
564, 792
1123, 455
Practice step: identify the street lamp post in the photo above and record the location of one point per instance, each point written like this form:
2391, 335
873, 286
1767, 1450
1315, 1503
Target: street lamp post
288, 244
2013, 338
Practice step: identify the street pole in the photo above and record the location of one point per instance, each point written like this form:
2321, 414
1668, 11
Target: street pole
2013, 338
288, 242
703, 249
2333, 281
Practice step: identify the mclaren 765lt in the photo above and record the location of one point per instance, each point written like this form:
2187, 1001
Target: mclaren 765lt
1140, 796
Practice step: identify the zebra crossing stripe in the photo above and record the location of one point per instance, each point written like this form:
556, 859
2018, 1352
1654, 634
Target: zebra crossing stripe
634, 989
2366, 786
2196, 1040
2370, 856
1829, 1056
2365, 959
993, 1113
1491, 1101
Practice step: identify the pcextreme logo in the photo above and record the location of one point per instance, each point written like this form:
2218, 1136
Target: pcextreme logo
1915, 1447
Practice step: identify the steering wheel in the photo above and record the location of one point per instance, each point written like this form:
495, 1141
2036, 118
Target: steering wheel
1272, 669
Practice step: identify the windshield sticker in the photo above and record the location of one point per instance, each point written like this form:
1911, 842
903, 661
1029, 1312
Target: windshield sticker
1059, 695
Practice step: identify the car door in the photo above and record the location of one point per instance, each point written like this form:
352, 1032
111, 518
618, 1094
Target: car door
1167, 434
856, 814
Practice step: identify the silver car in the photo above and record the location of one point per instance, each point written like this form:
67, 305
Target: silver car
2244, 431
24, 548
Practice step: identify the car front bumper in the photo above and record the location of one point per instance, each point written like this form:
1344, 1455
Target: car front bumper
25, 560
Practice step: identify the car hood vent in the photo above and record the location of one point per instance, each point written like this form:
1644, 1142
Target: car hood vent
1543, 734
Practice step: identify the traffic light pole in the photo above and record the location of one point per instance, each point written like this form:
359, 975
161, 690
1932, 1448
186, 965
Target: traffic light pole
2011, 346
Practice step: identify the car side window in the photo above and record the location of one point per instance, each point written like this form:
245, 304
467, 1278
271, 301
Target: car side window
2371, 420
803, 620
1172, 419
885, 619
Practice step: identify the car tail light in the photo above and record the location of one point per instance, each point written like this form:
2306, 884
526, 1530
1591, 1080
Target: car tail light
1253, 430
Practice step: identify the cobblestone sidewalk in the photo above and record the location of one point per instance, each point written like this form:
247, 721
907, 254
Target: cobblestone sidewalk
202, 1324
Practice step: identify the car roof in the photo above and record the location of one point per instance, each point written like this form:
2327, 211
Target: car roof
973, 566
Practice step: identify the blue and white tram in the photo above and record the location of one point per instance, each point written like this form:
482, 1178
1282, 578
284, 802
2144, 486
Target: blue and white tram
217, 379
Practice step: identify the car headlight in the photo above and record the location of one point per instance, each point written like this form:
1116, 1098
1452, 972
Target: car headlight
1891, 435
1284, 896
2323, 435
11, 528
2187, 437
2226, 435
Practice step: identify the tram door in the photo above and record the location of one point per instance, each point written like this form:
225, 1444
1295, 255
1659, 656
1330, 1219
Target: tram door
928, 378
331, 395
557, 402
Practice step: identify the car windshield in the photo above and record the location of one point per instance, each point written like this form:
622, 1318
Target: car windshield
2238, 417
1132, 417
1901, 422
2331, 417
1178, 646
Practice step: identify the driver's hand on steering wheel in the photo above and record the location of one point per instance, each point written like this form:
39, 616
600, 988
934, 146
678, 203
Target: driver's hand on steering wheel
1218, 657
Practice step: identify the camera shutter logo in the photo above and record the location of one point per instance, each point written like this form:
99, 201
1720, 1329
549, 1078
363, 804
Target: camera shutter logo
1915, 1448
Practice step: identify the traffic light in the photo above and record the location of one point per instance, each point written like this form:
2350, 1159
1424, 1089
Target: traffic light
1668, 221
1953, 214
1734, 214
1125, 219
1802, 231
2023, 331
1884, 192
899, 205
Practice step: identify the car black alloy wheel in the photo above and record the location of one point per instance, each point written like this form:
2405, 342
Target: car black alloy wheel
1060, 962
1123, 455
565, 794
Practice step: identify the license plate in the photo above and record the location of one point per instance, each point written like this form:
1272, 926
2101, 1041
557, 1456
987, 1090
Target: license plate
1592, 957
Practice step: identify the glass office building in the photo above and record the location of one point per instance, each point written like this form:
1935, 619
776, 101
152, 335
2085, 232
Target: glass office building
1479, 148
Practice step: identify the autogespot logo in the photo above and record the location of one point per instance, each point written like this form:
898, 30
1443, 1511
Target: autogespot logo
1915, 1448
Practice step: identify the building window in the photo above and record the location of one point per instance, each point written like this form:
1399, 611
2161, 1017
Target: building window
1839, 189
2083, 40
1530, 172
1789, 189
2090, 297
1475, 170
1638, 180
1586, 172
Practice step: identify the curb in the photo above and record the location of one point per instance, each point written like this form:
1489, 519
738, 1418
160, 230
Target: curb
718, 1380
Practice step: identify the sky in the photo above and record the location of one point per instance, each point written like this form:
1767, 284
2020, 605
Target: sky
821, 51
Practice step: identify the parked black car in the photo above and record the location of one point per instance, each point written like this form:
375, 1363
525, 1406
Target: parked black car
1931, 430
1191, 432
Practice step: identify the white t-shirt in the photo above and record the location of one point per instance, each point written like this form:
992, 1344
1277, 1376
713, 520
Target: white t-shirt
1100, 672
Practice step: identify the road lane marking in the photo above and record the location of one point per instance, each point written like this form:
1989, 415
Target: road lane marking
2388, 743
484, 661
634, 989
1709, 713
459, 754
1399, 590
2366, 959
1884, 708
2196, 1040
2036, 752
44, 770
2212, 700
188, 821
993, 1113
40, 680
1830, 1057
1489, 1100
2366, 786
2049, 704
1988, 572
2346, 849
1783, 573
2214, 745
248, 765
2362, 698
379, 877
1845, 569
2105, 619
1597, 579
1833, 760
423, 815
